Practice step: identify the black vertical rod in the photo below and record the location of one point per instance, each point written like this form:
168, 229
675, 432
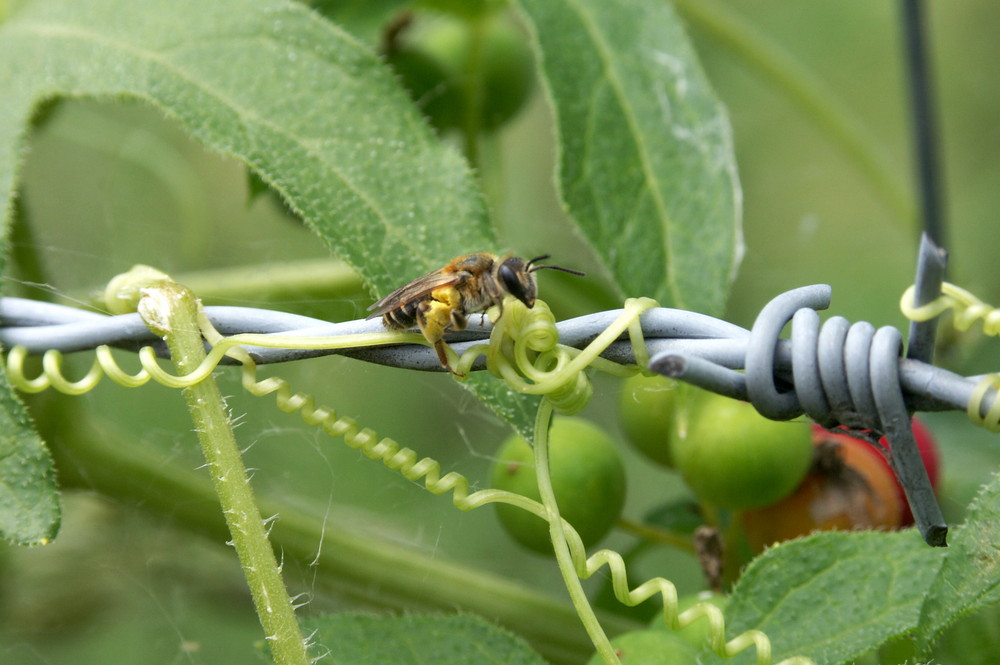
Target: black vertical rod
923, 121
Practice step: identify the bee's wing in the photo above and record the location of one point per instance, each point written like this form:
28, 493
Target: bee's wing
415, 290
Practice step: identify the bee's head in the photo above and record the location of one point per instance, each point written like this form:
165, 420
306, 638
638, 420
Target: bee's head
516, 278
515, 275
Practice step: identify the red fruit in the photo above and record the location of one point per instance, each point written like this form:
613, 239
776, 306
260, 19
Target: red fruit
849, 487
925, 444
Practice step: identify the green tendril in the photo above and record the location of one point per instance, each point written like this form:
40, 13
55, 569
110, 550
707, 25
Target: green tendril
990, 383
524, 351
983, 407
967, 309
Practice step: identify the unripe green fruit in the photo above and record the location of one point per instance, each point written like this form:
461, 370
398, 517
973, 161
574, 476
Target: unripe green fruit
650, 647
649, 414
588, 479
463, 70
736, 458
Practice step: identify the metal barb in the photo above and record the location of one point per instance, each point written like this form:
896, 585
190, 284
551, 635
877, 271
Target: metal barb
897, 426
931, 264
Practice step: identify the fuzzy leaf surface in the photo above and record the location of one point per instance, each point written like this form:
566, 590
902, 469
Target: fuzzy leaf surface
969, 578
646, 162
833, 596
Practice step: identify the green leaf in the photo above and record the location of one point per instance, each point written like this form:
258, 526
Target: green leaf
970, 575
517, 409
646, 165
29, 502
417, 640
310, 109
833, 596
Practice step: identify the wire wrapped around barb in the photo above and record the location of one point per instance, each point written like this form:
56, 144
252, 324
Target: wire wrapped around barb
839, 374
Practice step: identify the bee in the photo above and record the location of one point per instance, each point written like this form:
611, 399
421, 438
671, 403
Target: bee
443, 300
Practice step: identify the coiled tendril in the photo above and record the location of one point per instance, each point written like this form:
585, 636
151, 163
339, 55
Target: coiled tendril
966, 310
966, 307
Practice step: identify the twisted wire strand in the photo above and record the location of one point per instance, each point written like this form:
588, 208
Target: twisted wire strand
43, 327
825, 372
693, 338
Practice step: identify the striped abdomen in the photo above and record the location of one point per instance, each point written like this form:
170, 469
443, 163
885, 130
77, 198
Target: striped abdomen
402, 317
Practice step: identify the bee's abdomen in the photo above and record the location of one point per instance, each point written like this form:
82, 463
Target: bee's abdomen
401, 317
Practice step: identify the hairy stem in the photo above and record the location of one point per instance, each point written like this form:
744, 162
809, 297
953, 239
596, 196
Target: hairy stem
171, 311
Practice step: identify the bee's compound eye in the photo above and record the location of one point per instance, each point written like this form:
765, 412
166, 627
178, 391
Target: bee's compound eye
508, 277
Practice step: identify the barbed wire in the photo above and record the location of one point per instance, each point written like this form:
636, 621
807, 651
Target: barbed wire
713, 350
670, 334
838, 374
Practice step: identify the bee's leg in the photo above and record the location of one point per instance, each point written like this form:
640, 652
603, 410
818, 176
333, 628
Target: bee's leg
442, 351
434, 316
458, 320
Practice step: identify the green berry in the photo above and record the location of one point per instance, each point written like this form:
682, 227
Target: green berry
735, 458
651, 416
464, 71
588, 479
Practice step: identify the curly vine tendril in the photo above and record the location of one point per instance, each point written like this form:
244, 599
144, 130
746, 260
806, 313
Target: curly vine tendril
523, 351
966, 310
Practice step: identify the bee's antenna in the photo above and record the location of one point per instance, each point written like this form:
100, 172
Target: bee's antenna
532, 268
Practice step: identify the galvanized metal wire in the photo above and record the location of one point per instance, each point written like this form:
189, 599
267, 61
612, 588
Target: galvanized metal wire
837, 373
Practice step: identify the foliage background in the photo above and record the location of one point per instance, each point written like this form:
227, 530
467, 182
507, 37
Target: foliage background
110, 185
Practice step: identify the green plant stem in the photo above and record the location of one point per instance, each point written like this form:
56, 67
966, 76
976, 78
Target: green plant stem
559, 544
472, 92
804, 89
170, 310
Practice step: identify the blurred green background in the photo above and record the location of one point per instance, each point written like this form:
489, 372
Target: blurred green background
109, 185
